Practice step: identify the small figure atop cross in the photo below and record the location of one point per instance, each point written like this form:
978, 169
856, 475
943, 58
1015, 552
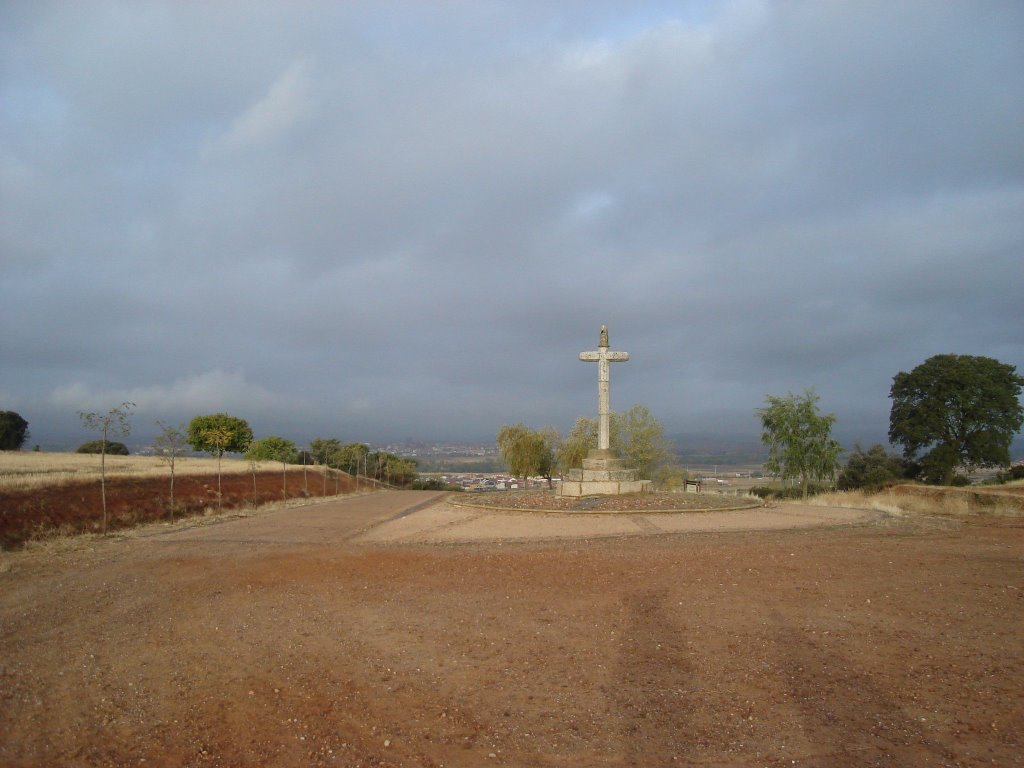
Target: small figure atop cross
603, 356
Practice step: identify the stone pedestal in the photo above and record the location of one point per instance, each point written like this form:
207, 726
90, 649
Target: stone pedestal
602, 475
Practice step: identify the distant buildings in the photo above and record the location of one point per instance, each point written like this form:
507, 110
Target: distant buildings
412, 449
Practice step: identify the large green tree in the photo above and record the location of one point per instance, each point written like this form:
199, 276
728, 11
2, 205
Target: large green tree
956, 410
527, 452
13, 431
799, 439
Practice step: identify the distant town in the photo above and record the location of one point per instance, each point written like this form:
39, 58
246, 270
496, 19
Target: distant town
418, 450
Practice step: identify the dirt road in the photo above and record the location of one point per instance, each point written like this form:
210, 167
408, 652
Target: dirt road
292, 640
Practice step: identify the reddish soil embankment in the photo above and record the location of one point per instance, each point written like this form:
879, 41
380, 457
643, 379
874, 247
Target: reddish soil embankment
76, 507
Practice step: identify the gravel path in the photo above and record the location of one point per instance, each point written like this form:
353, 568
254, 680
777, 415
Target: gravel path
547, 501
454, 522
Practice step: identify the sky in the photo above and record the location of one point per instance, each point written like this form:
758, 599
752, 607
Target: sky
381, 221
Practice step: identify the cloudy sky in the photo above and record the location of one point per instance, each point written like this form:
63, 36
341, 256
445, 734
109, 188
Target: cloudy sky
379, 220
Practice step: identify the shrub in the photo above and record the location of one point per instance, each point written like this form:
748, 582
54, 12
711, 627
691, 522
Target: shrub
791, 492
114, 448
432, 484
872, 469
1013, 473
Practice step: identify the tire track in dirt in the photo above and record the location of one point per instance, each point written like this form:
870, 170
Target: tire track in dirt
655, 682
332, 522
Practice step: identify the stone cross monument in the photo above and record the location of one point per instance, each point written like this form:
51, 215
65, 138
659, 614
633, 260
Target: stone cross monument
603, 356
602, 474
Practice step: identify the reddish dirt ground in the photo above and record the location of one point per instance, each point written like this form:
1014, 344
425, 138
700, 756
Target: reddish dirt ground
896, 644
76, 507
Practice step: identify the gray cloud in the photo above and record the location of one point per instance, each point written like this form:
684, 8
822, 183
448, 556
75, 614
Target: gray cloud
378, 220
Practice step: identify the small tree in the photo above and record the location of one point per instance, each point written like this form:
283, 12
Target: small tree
236, 434
350, 457
304, 457
635, 435
548, 441
401, 470
217, 438
958, 410
274, 448
254, 465
13, 431
671, 477
642, 441
527, 452
169, 445
580, 440
114, 422
799, 439
325, 452
324, 449
217, 434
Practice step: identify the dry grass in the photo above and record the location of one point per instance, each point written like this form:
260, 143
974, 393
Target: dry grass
930, 500
24, 469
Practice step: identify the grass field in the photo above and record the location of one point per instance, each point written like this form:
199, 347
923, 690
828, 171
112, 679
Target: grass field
1005, 500
30, 469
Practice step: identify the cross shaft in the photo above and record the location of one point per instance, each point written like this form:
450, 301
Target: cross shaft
603, 357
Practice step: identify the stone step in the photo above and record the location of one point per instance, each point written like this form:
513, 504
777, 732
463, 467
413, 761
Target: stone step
598, 488
602, 475
603, 464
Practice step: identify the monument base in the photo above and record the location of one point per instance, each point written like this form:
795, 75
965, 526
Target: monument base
602, 475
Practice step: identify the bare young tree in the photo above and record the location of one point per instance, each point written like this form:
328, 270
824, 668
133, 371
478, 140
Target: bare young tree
169, 445
323, 473
254, 465
218, 438
113, 423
